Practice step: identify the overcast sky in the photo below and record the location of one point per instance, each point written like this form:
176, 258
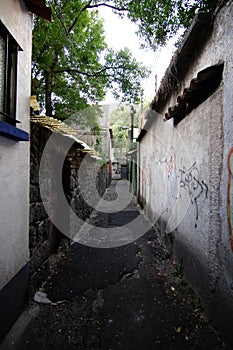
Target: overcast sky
120, 33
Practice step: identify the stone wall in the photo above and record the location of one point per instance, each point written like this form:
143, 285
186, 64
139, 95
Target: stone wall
88, 181
40, 224
78, 188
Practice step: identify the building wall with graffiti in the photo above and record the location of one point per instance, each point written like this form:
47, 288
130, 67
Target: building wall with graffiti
186, 161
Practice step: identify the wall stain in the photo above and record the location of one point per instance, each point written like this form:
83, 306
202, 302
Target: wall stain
186, 178
169, 161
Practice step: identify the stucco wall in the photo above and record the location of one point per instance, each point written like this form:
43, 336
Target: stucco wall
185, 179
14, 156
223, 283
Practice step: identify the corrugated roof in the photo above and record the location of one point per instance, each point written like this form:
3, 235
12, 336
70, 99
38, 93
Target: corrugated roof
53, 124
85, 147
59, 127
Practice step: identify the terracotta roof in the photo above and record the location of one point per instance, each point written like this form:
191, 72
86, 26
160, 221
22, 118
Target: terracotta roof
190, 48
199, 90
39, 8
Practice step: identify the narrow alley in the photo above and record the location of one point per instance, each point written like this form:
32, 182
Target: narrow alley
128, 297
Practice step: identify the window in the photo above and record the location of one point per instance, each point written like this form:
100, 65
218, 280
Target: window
8, 76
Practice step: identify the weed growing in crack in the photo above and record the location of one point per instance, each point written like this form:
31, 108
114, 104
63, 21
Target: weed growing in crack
178, 271
167, 255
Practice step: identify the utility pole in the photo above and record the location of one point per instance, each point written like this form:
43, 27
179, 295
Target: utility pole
132, 114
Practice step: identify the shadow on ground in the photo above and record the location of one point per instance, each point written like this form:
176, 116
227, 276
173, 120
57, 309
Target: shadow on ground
118, 298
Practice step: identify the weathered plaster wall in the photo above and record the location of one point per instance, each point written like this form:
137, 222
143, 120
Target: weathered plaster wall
14, 156
14, 171
186, 179
223, 284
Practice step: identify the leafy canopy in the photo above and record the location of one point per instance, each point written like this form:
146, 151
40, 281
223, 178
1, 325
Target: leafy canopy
120, 123
72, 65
157, 20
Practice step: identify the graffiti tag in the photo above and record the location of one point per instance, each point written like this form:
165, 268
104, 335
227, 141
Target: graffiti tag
194, 187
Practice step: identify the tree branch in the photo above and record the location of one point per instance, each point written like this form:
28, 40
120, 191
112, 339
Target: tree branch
109, 6
60, 19
76, 18
89, 6
97, 73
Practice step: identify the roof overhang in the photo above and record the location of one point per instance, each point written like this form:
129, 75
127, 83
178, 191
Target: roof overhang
39, 8
189, 49
200, 88
59, 127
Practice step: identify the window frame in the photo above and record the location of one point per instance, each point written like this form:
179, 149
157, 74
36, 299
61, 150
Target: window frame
8, 109
8, 106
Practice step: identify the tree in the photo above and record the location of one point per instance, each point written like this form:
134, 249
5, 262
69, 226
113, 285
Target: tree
120, 123
72, 66
121, 116
157, 20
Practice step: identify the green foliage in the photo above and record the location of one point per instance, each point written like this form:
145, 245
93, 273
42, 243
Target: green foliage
178, 271
167, 255
123, 75
121, 115
87, 118
159, 20
133, 146
72, 66
69, 60
120, 122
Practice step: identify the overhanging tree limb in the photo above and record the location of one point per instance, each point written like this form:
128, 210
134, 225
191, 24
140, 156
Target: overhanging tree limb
85, 7
89, 6
93, 74
112, 7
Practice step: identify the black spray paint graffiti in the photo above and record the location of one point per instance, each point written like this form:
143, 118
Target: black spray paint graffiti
193, 187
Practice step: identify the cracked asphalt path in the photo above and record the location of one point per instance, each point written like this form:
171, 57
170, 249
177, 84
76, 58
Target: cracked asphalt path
118, 298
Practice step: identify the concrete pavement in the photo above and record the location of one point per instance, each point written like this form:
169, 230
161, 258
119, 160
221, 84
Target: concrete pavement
127, 297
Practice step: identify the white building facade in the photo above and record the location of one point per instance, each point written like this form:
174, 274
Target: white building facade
15, 78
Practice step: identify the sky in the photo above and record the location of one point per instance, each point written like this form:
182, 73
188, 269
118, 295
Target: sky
120, 33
